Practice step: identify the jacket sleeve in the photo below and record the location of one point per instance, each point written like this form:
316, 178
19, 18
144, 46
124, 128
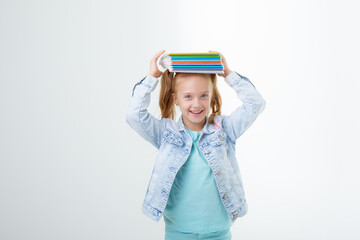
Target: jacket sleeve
137, 115
253, 104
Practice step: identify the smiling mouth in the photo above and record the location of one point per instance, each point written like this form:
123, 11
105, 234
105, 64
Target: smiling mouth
197, 113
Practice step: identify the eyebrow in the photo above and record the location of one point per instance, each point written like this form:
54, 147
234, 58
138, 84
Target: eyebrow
191, 92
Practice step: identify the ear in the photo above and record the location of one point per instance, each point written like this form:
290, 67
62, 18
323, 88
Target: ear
174, 98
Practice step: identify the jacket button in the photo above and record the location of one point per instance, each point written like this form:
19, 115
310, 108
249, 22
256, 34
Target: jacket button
225, 196
218, 173
235, 216
207, 151
221, 138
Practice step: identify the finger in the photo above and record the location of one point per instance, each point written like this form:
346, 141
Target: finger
159, 54
154, 59
222, 59
221, 56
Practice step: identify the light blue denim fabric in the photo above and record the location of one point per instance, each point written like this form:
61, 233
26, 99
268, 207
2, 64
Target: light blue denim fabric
216, 142
219, 235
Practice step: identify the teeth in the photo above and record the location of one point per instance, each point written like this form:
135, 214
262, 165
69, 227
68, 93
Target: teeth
196, 112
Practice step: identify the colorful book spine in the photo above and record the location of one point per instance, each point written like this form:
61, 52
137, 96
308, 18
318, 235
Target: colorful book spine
192, 62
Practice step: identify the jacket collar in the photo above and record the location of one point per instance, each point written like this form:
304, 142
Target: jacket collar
208, 128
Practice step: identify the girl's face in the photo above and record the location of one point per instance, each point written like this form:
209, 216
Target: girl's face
193, 95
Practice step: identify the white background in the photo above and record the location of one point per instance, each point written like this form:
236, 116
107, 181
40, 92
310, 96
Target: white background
70, 166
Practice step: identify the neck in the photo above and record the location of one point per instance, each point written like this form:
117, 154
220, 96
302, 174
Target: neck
195, 127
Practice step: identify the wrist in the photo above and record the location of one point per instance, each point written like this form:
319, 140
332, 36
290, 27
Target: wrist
152, 74
226, 73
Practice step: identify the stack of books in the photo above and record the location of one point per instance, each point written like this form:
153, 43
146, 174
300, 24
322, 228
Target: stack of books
192, 62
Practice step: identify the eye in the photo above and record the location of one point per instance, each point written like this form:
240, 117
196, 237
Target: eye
205, 95
187, 96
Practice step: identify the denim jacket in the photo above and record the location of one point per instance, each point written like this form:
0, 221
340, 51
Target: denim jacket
216, 142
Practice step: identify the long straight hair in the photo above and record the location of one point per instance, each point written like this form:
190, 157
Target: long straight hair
166, 102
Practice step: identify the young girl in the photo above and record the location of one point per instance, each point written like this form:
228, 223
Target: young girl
196, 183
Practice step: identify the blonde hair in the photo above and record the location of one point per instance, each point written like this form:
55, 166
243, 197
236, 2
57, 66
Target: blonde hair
166, 102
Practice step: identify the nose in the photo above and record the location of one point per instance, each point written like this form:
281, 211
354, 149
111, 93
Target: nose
197, 102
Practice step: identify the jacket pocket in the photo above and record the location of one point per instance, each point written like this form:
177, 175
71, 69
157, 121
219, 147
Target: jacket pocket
218, 139
172, 137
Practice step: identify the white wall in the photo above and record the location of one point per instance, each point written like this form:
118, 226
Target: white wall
70, 166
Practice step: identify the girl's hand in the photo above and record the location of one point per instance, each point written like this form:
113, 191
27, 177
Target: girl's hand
227, 70
154, 71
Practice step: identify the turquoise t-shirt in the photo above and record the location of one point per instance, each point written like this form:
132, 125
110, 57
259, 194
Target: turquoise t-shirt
194, 203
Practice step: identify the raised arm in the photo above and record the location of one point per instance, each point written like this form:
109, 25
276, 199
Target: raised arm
243, 116
137, 115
